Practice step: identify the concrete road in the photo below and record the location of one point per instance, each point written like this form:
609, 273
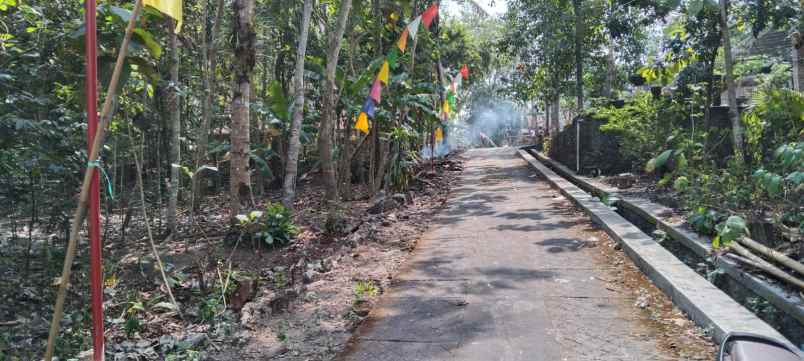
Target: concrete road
505, 273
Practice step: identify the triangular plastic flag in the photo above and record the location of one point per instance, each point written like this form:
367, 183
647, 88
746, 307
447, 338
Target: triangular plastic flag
369, 107
413, 27
403, 40
439, 135
465, 71
445, 107
384, 73
458, 82
429, 15
376, 91
452, 100
171, 8
362, 123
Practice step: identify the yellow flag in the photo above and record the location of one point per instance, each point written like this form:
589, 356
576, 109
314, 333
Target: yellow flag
403, 40
384, 72
439, 134
446, 107
362, 123
172, 8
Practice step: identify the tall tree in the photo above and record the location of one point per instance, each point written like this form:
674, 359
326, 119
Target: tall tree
209, 58
576, 5
328, 118
244, 41
291, 168
734, 115
174, 106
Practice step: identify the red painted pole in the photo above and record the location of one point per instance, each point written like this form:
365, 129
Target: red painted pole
93, 219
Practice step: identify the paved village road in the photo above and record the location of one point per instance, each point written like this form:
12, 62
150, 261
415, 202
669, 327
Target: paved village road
506, 272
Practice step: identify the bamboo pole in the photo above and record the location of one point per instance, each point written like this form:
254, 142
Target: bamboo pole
773, 254
81, 210
763, 265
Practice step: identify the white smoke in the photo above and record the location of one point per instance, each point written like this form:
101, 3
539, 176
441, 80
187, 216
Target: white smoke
488, 123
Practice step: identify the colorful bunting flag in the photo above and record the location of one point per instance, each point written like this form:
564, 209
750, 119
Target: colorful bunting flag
429, 15
465, 71
439, 135
403, 40
451, 100
376, 91
362, 123
458, 82
413, 27
171, 8
369, 107
445, 107
384, 73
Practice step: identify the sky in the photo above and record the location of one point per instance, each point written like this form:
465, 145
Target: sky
498, 8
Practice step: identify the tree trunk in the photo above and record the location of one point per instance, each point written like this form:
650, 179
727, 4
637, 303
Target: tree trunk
578, 59
555, 118
291, 167
174, 103
734, 114
210, 63
608, 92
376, 143
797, 58
329, 116
245, 55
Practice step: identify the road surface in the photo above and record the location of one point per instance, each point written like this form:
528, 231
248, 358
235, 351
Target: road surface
506, 272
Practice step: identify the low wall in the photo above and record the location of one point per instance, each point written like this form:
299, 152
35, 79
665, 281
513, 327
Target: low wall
600, 151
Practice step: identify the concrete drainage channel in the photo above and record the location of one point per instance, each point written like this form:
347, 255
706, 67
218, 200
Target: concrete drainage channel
776, 305
706, 304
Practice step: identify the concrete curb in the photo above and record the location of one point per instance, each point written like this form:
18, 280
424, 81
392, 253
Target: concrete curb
790, 303
705, 304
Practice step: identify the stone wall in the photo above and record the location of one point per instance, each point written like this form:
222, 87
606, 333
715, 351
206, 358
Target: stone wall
599, 151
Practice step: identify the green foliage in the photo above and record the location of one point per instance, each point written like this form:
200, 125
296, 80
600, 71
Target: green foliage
681, 184
732, 229
659, 161
771, 182
274, 226
404, 158
704, 221
365, 289
782, 179
638, 125
132, 322
210, 308
184, 355
776, 116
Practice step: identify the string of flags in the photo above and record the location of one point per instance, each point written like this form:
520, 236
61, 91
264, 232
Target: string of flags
383, 76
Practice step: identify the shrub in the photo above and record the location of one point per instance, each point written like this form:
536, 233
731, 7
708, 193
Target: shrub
637, 123
776, 117
274, 226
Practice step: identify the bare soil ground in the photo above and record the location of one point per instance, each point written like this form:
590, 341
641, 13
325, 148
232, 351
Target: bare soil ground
297, 302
